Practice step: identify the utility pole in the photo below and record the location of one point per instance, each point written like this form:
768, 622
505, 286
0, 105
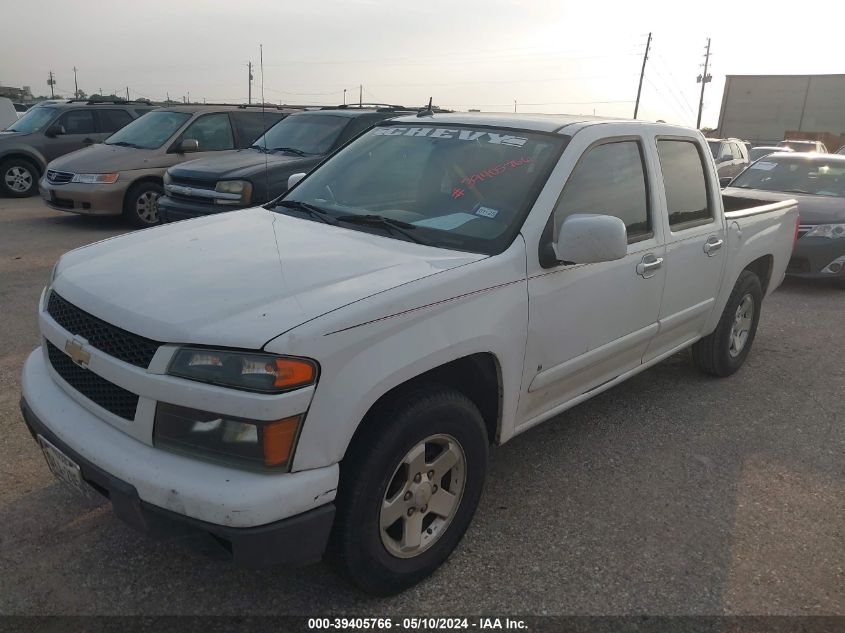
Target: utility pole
127, 93
360, 95
249, 71
51, 82
703, 80
75, 85
514, 106
642, 76
344, 96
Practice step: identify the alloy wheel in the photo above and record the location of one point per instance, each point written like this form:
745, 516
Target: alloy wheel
146, 206
18, 179
743, 318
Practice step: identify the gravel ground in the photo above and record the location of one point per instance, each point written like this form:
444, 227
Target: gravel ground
673, 493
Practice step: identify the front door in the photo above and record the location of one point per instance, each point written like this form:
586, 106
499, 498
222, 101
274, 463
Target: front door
589, 323
79, 131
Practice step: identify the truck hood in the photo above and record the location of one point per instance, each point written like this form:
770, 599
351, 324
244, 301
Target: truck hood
102, 158
238, 279
811, 209
243, 163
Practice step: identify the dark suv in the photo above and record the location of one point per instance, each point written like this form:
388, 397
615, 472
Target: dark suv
260, 173
49, 131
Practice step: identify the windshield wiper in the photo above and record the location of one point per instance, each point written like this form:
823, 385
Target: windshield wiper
397, 226
310, 209
290, 150
260, 148
798, 191
125, 144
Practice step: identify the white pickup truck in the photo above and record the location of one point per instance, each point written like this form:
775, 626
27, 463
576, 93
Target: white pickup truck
328, 371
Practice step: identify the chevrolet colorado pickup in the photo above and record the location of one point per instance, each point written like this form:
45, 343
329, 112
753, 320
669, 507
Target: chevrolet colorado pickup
326, 373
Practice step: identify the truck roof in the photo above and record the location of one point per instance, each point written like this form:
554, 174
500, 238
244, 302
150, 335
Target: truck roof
529, 122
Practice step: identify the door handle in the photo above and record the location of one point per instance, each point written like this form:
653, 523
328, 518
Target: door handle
712, 245
648, 266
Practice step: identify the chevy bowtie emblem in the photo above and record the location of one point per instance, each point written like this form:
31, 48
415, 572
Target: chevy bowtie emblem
77, 352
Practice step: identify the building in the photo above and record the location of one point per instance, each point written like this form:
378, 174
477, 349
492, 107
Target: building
763, 108
16, 94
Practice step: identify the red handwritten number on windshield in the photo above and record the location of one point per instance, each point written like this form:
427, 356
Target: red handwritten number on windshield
495, 170
457, 192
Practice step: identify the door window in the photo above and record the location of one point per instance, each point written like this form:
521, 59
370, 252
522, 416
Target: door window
609, 180
112, 120
251, 125
686, 187
213, 132
78, 122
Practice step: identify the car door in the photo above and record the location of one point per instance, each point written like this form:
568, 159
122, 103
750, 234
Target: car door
213, 133
589, 323
695, 243
109, 121
79, 131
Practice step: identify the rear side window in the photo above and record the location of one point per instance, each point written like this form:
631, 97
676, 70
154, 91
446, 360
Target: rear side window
609, 180
685, 184
113, 120
251, 125
735, 151
78, 122
212, 131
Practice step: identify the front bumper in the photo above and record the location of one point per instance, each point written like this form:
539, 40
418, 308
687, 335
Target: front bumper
84, 198
811, 255
173, 210
297, 540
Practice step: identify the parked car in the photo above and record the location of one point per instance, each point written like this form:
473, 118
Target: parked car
46, 132
260, 173
338, 361
804, 146
764, 150
817, 182
123, 175
731, 157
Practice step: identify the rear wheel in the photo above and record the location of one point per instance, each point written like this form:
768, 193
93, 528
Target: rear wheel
725, 350
409, 487
18, 178
140, 206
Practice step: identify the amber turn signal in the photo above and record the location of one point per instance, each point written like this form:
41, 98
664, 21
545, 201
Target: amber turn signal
291, 372
279, 438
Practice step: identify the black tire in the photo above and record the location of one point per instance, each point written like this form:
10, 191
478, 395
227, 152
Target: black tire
16, 173
373, 463
713, 354
132, 210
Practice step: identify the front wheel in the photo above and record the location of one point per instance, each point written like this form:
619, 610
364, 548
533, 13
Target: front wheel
18, 178
409, 487
140, 206
725, 350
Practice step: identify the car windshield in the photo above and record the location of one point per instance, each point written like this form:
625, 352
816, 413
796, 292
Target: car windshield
150, 131
795, 175
303, 134
33, 120
462, 188
759, 152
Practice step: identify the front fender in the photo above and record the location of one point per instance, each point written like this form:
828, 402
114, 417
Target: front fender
22, 149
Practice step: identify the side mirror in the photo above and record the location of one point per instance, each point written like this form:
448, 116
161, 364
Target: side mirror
724, 181
54, 130
295, 178
188, 145
588, 239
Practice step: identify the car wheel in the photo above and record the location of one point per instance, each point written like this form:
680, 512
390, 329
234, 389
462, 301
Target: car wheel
410, 483
18, 178
141, 204
725, 350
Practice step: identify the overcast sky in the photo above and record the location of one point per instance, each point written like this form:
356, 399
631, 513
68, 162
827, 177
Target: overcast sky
574, 57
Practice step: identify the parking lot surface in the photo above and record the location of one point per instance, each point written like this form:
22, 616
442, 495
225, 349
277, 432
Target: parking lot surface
674, 493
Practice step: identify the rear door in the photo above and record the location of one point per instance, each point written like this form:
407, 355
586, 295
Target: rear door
80, 130
109, 121
695, 243
589, 323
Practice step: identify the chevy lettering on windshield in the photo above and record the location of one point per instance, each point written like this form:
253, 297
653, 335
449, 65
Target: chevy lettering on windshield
452, 133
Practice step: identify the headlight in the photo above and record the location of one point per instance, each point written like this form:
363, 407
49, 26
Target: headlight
166, 178
832, 231
265, 373
249, 443
96, 179
235, 191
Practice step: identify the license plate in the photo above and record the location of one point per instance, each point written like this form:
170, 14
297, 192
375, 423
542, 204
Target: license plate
66, 470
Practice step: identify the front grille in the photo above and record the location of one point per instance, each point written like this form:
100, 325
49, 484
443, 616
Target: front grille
803, 229
99, 390
130, 348
59, 177
798, 265
185, 189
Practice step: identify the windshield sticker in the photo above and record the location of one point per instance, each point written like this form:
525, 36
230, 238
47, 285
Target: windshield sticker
494, 171
452, 133
486, 212
446, 222
765, 166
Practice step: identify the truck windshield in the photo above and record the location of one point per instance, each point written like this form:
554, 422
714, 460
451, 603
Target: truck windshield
150, 131
303, 134
795, 175
33, 120
463, 188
